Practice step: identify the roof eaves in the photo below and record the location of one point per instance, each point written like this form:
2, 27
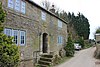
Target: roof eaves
33, 3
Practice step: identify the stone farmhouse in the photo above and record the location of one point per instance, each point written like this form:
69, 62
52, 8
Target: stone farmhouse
35, 30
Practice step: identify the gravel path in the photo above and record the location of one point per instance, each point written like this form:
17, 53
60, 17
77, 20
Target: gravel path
83, 58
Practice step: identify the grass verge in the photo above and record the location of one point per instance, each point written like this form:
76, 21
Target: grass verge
64, 59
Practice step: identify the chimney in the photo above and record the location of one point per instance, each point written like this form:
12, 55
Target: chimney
52, 9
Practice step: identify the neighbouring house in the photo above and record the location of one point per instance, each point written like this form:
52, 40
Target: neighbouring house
97, 51
34, 29
97, 38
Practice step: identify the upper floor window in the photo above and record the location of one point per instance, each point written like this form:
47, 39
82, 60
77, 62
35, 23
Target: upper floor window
18, 5
23, 7
11, 4
43, 15
59, 23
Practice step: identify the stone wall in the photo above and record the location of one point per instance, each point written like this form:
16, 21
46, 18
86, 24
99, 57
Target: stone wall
97, 52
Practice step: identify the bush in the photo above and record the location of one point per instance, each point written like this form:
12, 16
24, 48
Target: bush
80, 40
9, 53
56, 59
69, 48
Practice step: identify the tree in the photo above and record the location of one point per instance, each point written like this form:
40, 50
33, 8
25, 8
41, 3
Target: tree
69, 48
9, 53
98, 30
80, 23
46, 4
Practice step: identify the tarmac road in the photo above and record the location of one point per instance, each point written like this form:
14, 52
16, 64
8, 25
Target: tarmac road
83, 58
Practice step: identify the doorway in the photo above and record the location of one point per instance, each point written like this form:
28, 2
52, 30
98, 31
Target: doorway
45, 43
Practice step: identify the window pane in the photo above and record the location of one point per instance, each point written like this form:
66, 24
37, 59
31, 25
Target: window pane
11, 3
43, 15
15, 34
60, 39
23, 7
17, 5
8, 32
22, 37
59, 23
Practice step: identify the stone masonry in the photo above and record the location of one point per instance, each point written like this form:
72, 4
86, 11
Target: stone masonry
34, 27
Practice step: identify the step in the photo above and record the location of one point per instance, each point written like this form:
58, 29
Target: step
44, 62
41, 65
47, 55
46, 59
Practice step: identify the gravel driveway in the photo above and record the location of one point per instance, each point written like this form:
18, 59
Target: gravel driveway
83, 58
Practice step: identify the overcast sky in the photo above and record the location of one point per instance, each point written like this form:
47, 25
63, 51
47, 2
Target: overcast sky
89, 8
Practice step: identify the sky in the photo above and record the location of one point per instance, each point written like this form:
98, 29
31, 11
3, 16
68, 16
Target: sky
89, 8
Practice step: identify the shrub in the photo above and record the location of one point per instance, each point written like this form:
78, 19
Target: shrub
56, 59
80, 40
69, 48
9, 53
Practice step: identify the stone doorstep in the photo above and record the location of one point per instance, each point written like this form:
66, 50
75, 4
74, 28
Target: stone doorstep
47, 55
41, 65
46, 58
44, 61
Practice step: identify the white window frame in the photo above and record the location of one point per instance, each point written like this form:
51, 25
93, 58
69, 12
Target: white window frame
59, 23
43, 15
23, 7
11, 32
8, 31
22, 33
15, 33
60, 39
11, 4
17, 5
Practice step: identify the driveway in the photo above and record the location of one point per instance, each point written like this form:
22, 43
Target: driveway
83, 58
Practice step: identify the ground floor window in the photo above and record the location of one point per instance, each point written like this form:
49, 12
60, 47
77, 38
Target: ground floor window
19, 35
22, 37
8, 32
60, 39
15, 35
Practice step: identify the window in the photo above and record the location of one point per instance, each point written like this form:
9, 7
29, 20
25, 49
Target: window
23, 7
17, 5
11, 3
43, 15
22, 38
8, 32
59, 23
15, 35
18, 38
60, 39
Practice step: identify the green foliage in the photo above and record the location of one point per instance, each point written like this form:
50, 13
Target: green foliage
2, 17
79, 22
98, 30
69, 48
81, 42
9, 53
81, 25
56, 60
87, 45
